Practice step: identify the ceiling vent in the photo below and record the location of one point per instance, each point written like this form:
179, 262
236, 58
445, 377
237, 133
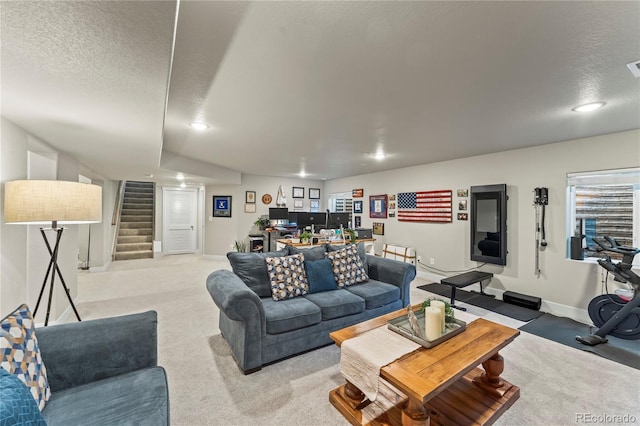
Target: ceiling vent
635, 68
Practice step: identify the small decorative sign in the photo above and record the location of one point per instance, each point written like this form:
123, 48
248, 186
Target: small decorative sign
222, 206
378, 228
463, 192
357, 193
357, 206
463, 216
357, 221
462, 205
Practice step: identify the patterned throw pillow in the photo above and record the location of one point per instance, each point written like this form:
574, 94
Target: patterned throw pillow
288, 277
17, 406
348, 268
20, 354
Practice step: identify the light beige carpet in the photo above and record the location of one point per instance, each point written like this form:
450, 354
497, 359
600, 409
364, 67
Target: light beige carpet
559, 385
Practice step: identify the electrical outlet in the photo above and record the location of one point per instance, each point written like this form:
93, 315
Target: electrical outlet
419, 258
432, 261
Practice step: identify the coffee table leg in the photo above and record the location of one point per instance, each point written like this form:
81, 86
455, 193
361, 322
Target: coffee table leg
414, 414
490, 380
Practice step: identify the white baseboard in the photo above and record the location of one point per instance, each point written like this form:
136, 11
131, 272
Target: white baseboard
580, 315
103, 268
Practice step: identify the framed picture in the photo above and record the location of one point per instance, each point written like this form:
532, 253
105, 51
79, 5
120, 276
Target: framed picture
463, 216
392, 214
357, 193
378, 206
314, 193
357, 206
357, 220
222, 206
392, 197
462, 204
250, 208
463, 192
314, 204
250, 197
378, 228
392, 206
297, 204
298, 192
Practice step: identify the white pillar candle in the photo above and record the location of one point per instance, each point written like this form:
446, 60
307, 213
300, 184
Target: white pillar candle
440, 305
432, 323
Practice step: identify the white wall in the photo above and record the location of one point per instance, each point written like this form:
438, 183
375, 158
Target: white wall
220, 233
566, 286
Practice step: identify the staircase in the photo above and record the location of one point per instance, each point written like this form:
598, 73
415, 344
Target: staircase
135, 233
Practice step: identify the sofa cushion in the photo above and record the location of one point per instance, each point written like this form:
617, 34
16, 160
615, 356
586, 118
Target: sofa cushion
252, 269
137, 398
320, 275
361, 251
348, 269
313, 253
17, 406
288, 277
291, 314
376, 293
337, 303
20, 353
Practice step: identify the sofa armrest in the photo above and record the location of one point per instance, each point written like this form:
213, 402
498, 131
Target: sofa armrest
242, 318
86, 351
393, 272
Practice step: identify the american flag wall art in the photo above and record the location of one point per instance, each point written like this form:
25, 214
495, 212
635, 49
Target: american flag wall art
426, 206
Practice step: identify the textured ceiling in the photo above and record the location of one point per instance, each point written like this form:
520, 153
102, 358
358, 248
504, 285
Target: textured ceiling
314, 86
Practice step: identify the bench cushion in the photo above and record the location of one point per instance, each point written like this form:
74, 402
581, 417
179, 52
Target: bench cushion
337, 303
376, 293
291, 314
137, 398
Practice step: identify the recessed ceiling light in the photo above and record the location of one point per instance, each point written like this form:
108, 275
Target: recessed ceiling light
379, 155
302, 174
198, 125
149, 175
183, 185
180, 176
589, 107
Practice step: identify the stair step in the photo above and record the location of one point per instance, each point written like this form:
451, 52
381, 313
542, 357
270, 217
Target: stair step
134, 255
136, 225
126, 232
139, 184
133, 247
138, 195
136, 218
137, 212
134, 239
136, 204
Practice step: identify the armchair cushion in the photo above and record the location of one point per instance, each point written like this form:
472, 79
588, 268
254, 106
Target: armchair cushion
20, 353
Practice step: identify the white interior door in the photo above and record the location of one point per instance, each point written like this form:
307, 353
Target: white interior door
179, 218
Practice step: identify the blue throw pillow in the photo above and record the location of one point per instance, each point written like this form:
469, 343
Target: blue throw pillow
320, 275
17, 406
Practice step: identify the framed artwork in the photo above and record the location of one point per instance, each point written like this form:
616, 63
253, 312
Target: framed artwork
250, 208
266, 199
297, 204
463, 216
250, 197
392, 197
463, 192
462, 204
314, 204
392, 206
314, 193
298, 192
222, 206
357, 206
378, 206
378, 228
357, 193
392, 214
357, 220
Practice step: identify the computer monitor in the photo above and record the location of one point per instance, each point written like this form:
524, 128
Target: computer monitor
337, 219
278, 213
293, 218
318, 220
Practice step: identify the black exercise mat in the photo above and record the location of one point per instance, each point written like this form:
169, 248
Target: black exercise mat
486, 302
564, 330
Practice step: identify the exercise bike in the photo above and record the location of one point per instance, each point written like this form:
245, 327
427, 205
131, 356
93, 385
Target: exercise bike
613, 315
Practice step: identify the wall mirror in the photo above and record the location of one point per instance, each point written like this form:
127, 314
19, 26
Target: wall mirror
489, 224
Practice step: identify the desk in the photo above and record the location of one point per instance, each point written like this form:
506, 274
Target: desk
280, 229
464, 280
368, 243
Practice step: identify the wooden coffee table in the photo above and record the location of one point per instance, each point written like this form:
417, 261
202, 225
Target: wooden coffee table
438, 386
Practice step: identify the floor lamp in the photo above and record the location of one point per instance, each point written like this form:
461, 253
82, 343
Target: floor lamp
55, 202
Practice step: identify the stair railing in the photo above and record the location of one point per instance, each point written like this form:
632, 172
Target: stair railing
115, 221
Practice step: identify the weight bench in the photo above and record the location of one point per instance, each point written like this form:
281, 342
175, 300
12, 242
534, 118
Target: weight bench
464, 280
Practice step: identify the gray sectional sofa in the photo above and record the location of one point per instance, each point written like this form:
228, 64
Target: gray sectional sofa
260, 330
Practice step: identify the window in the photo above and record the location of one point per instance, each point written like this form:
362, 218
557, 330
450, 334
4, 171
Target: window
604, 203
341, 203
